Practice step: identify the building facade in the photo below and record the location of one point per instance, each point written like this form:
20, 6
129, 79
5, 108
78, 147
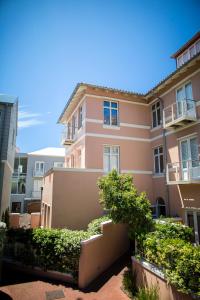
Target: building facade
153, 136
27, 179
8, 132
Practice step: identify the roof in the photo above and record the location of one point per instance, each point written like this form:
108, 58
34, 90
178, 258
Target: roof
186, 45
105, 88
8, 99
49, 151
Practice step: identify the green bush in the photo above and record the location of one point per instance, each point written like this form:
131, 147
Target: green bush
125, 203
94, 227
147, 293
169, 248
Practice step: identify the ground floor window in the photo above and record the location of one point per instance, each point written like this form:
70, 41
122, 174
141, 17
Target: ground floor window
193, 221
16, 207
159, 209
111, 158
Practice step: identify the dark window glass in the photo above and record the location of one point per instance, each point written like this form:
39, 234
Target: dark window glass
107, 103
156, 165
158, 117
161, 164
161, 207
154, 119
190, 219
114, 104
106, 116
114, 117
16, 207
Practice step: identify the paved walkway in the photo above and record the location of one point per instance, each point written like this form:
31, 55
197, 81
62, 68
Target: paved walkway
107, 287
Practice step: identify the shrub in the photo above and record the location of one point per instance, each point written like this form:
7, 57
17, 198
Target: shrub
125, 204
129, 283
94, 227
145, 293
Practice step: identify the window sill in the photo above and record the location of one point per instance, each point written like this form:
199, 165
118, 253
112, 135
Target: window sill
156, 128
111, 127
158, 175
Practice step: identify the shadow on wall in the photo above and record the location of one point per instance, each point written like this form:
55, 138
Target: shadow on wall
4, 296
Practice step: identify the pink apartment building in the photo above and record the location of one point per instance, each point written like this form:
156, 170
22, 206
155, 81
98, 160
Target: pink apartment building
154, 136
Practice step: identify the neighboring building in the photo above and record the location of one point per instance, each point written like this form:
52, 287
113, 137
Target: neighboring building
27, 179
154, 136
8, 132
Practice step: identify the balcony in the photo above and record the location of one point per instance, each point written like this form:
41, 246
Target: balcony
36, 194
68, 136
183, 172
179, 114
38, 173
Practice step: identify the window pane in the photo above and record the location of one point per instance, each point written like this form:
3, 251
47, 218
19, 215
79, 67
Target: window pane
114, 150
161, 164
106, 103
106, 116
154, 119
158, 104
156, 151
106, 163
156, 164
114, 104
158, 116
107, 150
114, 162
198, 46
114, 117
14, 187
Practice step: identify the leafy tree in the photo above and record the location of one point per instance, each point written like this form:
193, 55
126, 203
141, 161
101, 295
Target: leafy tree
125, 203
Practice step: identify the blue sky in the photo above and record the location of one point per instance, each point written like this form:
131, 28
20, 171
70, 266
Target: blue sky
48, 46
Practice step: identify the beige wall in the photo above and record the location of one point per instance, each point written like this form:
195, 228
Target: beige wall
100, 251
146, 278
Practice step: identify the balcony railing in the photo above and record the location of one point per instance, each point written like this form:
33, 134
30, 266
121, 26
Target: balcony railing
179, 114
36, 194
68, 136
38, 173
187, 171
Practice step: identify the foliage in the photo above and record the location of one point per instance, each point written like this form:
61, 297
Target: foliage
125, 204
129, 283
150, 293
94, 227
169, 248
5, 217
55, 249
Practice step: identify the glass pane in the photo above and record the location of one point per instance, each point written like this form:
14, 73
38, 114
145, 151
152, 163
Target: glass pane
161, 164
114, 117
106, 163
106, 103
154, 119
188, 91
180, 94
161, 150
158, 116
158, 104
184, 153
14, 187
107, 150
107, 116
156, 164
194, 151
114, 162
114, 104
114, 150
153, 107
155, 151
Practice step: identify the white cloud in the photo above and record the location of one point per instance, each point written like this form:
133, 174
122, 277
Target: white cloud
28, 119
29, 123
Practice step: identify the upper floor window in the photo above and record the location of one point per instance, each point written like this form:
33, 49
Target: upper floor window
188, 54
58, 164
111, 113
158, 160
73, 126
111, 158
156, 114
39, 168
80, 117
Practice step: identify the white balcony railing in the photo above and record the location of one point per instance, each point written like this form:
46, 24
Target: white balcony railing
38, 173
186, 171
36, 194
69, 135
179, 113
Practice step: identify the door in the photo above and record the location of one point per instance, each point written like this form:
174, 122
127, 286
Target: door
189, 159
185, 103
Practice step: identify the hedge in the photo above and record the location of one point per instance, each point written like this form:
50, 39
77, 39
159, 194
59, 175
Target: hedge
52, 249
169, 247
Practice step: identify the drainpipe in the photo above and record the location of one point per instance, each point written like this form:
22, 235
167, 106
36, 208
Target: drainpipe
165, 161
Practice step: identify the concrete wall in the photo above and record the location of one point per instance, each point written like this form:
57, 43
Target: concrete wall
17, 220
100, 251
147, 278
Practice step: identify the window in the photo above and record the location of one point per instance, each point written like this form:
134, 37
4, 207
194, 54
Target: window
188, 54
16, 207
37, 184
158, 160
110, 110
39, 168
73, 126
161, 207
154, 211
58, 164
111, 158
193, 221
80, 117
18, 185
156, 114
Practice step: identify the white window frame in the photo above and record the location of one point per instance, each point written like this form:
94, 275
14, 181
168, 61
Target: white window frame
110, 113
40, 163
109, 154
156, 113
159, 154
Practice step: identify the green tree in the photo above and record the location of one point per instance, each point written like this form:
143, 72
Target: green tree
125, 203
